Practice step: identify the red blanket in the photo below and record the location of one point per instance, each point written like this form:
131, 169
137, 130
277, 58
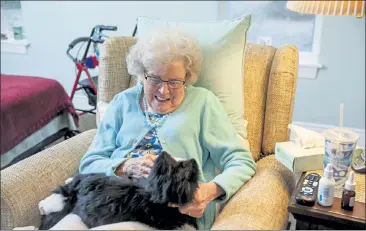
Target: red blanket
27, 104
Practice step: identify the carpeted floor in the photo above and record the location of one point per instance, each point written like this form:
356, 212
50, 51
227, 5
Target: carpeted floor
87, 122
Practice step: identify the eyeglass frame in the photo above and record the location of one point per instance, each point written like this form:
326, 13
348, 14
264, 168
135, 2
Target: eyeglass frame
163, 81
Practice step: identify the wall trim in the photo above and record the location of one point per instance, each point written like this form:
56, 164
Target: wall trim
321, 127
14, 46
309, 71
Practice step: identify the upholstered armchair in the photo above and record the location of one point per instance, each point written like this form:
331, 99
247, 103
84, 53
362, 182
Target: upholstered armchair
270, 85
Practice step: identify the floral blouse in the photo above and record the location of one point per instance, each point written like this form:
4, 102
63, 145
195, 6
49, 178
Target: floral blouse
149, 144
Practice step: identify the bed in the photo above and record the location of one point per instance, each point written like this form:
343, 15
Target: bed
35, 112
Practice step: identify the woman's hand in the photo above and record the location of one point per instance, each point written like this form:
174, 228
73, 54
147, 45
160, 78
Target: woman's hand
205, 193
137, 167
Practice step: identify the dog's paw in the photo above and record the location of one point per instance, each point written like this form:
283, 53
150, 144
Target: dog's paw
187, 227
53, 203
68, 180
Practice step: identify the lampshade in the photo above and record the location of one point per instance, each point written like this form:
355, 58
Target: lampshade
339, 8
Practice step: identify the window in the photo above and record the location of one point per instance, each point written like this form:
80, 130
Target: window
273, 24
12, 28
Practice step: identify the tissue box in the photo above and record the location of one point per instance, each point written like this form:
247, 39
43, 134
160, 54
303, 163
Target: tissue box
299, 159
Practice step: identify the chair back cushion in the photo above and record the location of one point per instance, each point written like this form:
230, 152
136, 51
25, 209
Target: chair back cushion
258, 62
280, 100
113, 74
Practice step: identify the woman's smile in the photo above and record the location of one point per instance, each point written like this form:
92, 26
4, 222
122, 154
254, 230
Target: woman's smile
162, 99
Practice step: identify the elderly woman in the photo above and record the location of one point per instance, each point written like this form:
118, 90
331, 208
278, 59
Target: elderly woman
164, 111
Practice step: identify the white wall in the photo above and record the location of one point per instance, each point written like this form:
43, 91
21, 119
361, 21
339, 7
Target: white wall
342, 80
51, 25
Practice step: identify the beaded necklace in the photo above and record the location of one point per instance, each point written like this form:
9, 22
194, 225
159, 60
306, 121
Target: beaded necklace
156, 122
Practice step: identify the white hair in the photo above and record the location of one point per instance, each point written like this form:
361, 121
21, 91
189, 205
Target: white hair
158, 48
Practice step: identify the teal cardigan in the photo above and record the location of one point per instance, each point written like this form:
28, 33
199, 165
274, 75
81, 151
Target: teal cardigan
199, 128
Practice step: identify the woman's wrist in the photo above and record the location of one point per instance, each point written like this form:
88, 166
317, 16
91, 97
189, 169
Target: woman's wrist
119, 170
214, 190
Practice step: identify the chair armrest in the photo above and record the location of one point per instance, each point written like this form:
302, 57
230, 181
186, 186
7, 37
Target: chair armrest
262, 202
27, 182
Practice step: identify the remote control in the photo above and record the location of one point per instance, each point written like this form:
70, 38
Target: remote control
307, 192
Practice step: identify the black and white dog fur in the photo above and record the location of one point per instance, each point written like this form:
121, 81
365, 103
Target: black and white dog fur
100, 200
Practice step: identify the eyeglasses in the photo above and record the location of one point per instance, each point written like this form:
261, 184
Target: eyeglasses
156, 82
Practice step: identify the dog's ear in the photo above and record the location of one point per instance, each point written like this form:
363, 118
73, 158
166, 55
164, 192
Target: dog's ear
160, 178
194, 173
165, 156
163, 164
190, 170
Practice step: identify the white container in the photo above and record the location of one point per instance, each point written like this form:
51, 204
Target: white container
326, 187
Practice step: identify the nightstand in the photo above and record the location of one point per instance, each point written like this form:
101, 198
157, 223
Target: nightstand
334, 217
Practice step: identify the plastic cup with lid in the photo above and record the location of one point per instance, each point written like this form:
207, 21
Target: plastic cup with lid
340, 144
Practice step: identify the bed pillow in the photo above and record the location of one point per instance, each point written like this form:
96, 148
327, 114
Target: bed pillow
223, 45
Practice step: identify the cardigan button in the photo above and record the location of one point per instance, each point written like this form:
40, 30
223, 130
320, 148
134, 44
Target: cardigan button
163, 141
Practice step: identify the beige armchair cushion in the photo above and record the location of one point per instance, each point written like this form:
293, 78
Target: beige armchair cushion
27, 182
261, 203
113, 64
257, 66
280, 97
114, 67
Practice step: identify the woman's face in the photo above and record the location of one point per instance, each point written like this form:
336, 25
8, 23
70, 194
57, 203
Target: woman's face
166, 97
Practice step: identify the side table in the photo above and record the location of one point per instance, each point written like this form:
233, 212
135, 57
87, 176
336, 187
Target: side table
334, 217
